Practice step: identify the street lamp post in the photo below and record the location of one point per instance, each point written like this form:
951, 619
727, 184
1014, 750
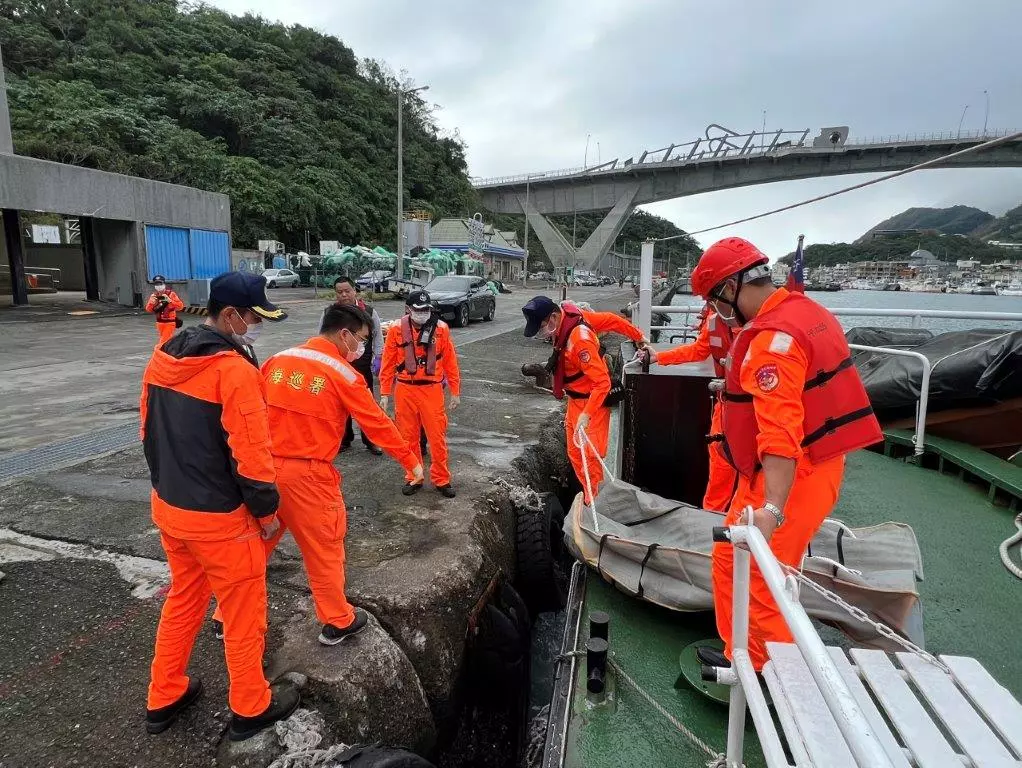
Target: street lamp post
525, 262
401, 93
986, 112
962, 120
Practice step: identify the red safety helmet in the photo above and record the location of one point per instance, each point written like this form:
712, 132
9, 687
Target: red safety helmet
724, 259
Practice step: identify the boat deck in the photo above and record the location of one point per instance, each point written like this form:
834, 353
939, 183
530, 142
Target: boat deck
970, 607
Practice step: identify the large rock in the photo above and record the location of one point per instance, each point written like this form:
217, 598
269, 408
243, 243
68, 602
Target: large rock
365, 688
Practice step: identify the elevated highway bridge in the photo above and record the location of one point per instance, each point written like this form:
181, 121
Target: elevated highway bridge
722, 159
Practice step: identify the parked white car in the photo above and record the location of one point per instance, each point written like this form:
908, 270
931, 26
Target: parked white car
280, 278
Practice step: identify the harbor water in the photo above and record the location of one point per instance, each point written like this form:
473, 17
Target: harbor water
908, 300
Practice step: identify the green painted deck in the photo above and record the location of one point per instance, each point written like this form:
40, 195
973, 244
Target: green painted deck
971, 607
999, 475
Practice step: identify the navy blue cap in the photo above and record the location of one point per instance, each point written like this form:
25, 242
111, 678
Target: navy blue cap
536, 312
158, 279
419, 300
245, 290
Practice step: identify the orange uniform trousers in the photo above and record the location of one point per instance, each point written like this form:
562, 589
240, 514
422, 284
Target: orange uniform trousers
164, 331
422, 408
235, 571
598, 432
312, 508
812, 497
722, 482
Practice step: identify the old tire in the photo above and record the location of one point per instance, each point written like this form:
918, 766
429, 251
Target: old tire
461, 317
380, 757
491, 311
539, 545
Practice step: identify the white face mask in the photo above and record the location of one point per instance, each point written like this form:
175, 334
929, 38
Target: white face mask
421, 317
353, 355
545, 332
251, 334
159, 287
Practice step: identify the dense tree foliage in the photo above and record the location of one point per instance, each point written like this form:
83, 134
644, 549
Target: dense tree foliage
899, 247
285, 120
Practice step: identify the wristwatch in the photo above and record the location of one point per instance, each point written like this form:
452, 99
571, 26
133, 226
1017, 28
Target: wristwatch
774, 510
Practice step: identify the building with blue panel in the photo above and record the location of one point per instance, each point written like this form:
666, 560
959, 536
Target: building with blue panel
499, 250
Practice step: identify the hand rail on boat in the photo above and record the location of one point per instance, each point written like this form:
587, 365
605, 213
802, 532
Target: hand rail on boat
918, 439
745, 687
917, 315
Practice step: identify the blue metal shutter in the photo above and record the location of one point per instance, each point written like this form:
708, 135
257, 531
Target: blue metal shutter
211, 253
167, 252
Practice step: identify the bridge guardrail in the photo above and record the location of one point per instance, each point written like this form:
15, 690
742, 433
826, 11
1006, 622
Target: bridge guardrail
736, 145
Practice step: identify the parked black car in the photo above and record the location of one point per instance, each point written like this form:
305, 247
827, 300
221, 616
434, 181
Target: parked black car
461, 298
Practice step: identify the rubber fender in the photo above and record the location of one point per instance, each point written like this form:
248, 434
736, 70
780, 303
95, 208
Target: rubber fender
496, 660
539, 543
376, 756
513, 606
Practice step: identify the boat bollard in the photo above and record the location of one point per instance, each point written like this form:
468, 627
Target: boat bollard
596, 668
599, 625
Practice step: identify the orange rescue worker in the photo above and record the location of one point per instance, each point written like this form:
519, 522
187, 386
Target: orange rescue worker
580, 372
793, 406
312, 390
418, 355
165, 305
713, 341
207, 444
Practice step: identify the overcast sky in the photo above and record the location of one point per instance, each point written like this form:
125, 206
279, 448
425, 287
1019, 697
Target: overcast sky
525, 82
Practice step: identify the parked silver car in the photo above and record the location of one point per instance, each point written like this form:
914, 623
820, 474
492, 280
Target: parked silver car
280, 278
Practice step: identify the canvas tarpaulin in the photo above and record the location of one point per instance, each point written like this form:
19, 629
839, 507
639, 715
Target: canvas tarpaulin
659, 550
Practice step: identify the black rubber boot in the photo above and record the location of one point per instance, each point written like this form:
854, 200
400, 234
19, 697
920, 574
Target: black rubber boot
159, 720
446, 491
711, 657
284, 700
411, 489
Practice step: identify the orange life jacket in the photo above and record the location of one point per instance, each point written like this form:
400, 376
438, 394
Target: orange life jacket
721, 337
838, 417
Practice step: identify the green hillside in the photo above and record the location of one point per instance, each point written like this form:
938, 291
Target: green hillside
957, 220
287, 121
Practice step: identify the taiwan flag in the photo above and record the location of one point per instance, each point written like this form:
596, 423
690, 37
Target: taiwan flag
796, 277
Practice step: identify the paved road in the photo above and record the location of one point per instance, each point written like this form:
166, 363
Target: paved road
66, 377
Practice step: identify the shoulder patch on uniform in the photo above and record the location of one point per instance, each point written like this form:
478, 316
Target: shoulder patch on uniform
584, 356
781, 343
767, 377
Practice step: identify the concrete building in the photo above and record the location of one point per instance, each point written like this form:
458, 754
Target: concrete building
881, 271
131, 228
1005, 244
499, 250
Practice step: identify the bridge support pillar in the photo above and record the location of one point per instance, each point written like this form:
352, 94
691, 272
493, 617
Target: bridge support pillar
599, 243
556, 245
596, 246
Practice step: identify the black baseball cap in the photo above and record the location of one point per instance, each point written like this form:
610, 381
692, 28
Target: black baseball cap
245, 290
158, 279
419, 300
536, 312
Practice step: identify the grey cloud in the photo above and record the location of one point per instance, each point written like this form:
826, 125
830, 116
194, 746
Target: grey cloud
526, 81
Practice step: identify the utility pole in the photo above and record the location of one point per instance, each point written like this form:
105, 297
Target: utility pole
525, 266
986, 112
399, 250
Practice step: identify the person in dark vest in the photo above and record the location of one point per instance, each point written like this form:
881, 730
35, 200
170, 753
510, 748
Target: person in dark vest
793, 407
418, 355
368, 364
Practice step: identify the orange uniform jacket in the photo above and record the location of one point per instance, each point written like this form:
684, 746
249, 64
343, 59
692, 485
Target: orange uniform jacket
608, 322
582, 356
394, 356
169, 313
206, 438
311, 391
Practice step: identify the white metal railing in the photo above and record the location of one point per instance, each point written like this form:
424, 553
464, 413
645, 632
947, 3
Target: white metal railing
918, 439
917, 315
746, 691
728, 144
